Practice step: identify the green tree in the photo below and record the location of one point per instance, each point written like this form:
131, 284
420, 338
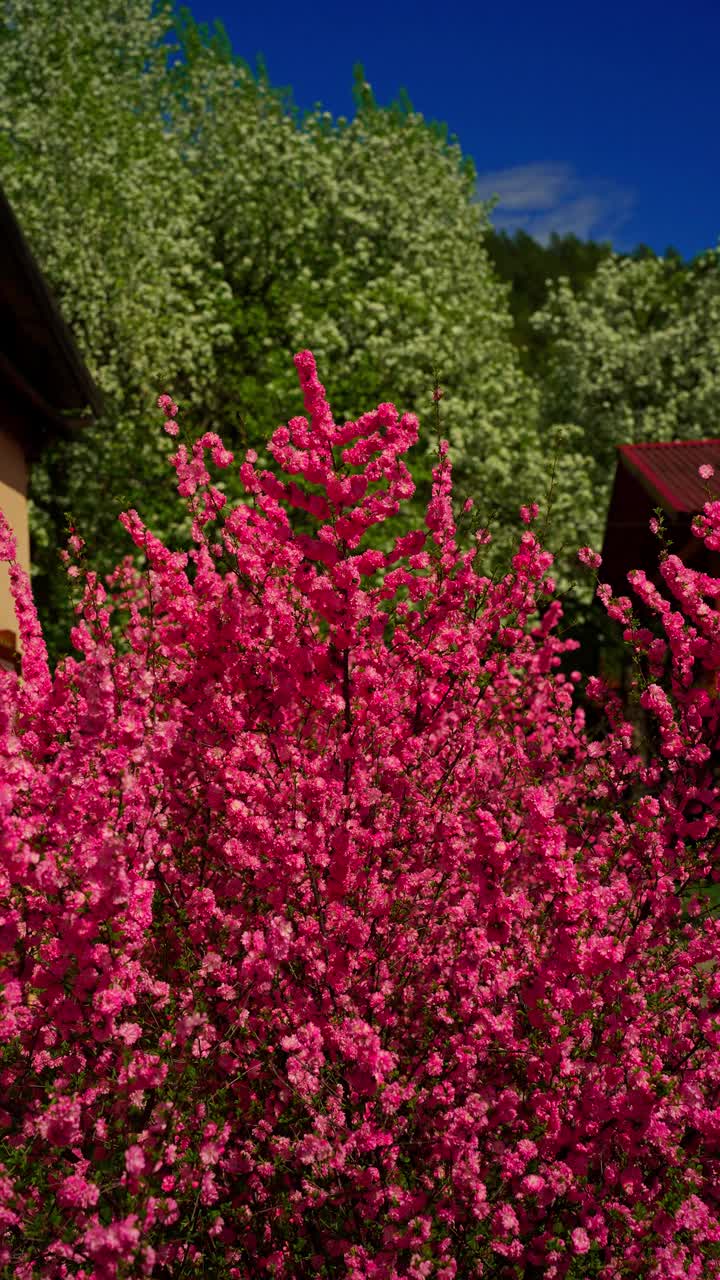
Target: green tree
362, 239
197, 232
116, 220
635, 356
530, 267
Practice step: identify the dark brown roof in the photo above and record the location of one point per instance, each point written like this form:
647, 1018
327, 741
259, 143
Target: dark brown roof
669, 472
40, 365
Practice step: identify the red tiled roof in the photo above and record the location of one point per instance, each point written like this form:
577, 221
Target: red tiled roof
669, 472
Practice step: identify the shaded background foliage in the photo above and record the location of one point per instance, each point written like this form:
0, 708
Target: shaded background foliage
197, 229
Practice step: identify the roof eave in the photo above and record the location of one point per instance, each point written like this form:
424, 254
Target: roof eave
89, 394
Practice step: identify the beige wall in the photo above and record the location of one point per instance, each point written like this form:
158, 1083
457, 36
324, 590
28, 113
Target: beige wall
13, 503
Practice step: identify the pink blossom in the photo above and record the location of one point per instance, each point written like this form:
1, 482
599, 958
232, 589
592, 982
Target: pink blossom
339, 921
135, 1160
581, 1240
60, 1124
589, 557
76, 1192
168, 406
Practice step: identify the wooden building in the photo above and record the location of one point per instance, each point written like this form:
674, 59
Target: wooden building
45, 390
652, 476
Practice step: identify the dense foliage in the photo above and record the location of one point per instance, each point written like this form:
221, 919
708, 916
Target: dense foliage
97, 183
633, 356
333, 941
530, 267
196, 231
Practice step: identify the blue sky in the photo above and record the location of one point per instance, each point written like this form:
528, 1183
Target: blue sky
602, 120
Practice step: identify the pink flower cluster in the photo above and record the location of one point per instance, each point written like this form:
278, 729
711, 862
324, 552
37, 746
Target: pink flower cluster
334, 941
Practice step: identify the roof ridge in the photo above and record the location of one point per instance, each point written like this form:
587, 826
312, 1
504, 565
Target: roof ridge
669, 444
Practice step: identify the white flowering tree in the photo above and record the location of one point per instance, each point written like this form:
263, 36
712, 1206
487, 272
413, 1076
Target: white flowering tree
635, 356
197, 232
363, 238
116, 222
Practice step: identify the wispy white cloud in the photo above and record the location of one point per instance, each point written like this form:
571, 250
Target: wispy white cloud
542, 198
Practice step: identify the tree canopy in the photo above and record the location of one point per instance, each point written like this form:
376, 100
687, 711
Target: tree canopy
633, 356
529, 267
197, 230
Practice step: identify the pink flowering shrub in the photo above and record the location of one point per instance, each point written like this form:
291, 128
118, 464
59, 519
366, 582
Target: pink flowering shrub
333, 942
